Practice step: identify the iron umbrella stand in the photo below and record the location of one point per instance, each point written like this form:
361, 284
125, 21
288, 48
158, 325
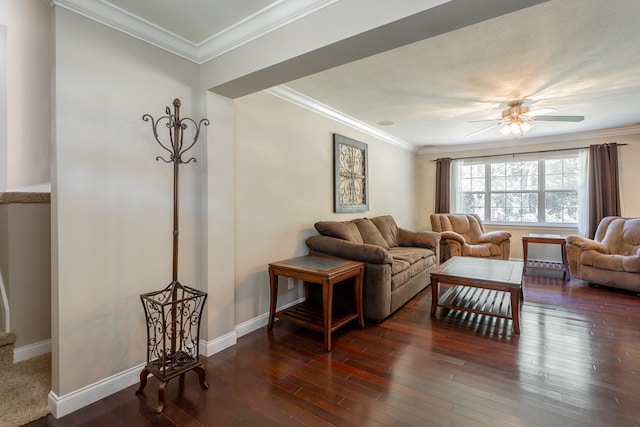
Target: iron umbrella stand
173, 314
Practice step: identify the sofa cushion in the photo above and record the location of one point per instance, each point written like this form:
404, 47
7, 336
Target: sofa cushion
631, 237
400, 273
613, 262
370, 233
388, 228
467, 225
482, 250
346, 230
410, 255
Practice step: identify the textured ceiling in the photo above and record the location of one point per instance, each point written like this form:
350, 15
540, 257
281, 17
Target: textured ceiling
579, 56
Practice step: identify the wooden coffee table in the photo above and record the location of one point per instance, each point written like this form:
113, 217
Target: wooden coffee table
321, 271
479, 285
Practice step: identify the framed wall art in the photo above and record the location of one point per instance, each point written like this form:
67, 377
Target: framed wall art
351, 175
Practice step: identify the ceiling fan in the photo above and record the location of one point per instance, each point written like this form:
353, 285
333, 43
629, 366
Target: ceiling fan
516, 119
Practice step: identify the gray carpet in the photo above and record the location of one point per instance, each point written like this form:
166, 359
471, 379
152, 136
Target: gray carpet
24, 387
6, 348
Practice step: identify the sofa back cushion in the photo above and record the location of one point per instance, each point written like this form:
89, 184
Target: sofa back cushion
346, 230
620, 235
468, 226
370, 234
387, 226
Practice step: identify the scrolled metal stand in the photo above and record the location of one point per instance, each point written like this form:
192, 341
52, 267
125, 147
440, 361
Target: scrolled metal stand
173, 314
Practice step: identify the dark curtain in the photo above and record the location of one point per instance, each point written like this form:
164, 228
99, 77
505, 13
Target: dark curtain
604, 184
443, 185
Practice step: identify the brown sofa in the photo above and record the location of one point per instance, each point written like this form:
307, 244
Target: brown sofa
398, 261
464, 235
612, 258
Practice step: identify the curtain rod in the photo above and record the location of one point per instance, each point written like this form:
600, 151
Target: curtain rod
524, 152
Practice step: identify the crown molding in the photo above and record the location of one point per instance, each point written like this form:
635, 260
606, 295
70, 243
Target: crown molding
311, 104
576, 136
125, 22
257, 25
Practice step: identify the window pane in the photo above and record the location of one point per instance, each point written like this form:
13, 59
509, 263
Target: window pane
553, 182
514, 176
472, 178
553, 166
514, 207
514, 183
498, 207
473, 203
561, 174
561, 207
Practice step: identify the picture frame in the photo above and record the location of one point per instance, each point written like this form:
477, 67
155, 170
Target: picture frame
351, 175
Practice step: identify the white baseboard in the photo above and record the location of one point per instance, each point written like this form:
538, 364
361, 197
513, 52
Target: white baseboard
212, 347
32, 350
260, 321
64, 405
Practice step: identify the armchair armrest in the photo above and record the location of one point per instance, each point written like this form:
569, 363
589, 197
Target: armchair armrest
495, 237
421, 239
586, 244
340, 248
452, 235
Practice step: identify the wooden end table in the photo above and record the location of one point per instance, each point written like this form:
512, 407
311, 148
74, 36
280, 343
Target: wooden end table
325, 272
549, 239
484, 286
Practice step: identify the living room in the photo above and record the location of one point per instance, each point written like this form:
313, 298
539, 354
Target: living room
263, 177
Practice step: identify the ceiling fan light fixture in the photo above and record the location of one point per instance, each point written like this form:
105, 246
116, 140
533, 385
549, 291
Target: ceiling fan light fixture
516, 127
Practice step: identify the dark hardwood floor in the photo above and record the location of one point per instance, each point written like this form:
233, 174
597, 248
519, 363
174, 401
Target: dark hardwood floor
576, 363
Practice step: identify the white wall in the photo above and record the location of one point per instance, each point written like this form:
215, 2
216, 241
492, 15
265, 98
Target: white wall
111, 200
219, 208
284, 184
28, 103
629, 178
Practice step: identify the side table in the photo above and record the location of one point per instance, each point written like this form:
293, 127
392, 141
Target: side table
550, 239
325, 272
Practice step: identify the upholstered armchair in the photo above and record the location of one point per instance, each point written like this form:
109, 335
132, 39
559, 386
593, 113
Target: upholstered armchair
464, 235
611, 258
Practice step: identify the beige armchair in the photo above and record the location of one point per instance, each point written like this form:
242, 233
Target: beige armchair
612, 258
464, 235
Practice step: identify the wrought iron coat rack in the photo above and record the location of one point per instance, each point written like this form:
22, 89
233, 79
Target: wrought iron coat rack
173, 314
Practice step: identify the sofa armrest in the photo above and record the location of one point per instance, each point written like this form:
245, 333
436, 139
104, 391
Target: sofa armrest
452, 235
586, 244
362, 252
495, 237
420, 239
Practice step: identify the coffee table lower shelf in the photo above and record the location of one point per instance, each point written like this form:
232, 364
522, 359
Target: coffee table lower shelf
310, 316
477, 300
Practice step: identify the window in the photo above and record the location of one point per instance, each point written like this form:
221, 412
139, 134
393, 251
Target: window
544, 190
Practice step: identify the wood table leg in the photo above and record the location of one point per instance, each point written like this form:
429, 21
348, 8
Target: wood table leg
565, 266
525, 249
327, 309
434, 295
358, 295
273, 297
515, 308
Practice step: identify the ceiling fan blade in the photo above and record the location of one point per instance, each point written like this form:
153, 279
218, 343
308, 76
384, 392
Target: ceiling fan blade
486, 120
482, 130
540, 111
559, 119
